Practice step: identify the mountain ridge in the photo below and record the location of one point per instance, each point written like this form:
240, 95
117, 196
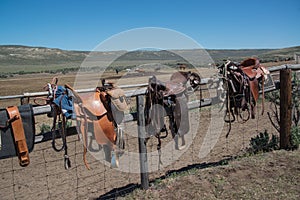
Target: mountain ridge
14, 58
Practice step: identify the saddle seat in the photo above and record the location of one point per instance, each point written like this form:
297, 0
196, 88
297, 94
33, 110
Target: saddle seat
251, 72
173, 88
251, 67
92, 103
168, 88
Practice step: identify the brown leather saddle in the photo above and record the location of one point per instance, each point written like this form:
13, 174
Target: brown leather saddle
243, 80
251, 67
91, 116
99, 113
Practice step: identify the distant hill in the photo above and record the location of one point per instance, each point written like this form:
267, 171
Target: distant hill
26, 59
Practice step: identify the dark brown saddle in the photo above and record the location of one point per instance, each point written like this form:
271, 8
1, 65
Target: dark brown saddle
166, 99
169, 88
248, 74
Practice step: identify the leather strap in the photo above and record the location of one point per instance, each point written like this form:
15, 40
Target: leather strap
19, 135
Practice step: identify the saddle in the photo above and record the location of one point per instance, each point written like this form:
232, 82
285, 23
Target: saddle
92, 117
166, 99
99, 113
17, 133
173, 88
251, 67
248, 74
168, 88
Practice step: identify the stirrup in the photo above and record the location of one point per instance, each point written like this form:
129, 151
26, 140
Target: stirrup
177, 147
114, 163
244, 119
67, 162
229, 120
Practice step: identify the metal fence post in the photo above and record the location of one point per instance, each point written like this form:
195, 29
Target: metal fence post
142, 142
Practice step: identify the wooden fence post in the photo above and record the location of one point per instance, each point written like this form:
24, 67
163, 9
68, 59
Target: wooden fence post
142, 142
285, 108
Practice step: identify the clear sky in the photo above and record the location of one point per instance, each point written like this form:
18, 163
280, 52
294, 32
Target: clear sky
214, 24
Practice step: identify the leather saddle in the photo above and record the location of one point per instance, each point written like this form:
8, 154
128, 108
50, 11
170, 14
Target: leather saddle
170, 95
95, 115
251, 67
168, 88
92, 117
249, 73
173, 88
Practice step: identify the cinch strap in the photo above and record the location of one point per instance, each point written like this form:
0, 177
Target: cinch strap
19, 135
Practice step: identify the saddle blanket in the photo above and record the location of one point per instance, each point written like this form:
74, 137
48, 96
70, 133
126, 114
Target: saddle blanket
7, 144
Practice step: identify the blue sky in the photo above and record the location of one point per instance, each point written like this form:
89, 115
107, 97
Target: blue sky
214, 24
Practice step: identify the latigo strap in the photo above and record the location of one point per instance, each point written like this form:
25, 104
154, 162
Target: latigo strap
19, 135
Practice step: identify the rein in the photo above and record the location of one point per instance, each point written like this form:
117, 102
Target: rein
61, 123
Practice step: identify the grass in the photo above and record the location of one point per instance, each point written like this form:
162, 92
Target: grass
273, 175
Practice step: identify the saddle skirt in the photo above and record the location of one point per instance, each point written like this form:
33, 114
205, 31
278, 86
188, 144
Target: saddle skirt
250, 72
117, 97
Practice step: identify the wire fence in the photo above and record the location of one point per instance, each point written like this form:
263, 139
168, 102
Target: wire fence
46, 178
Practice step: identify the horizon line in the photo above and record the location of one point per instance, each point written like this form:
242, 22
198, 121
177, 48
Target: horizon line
144, 49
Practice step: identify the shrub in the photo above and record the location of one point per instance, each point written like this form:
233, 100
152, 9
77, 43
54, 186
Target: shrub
263, 143
44, 128
295, 137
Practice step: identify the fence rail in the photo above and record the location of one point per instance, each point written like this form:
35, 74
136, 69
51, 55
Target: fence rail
45, 109
140, 91
40, 110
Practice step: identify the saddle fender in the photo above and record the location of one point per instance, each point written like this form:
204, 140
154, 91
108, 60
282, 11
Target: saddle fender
254, 89
182, 115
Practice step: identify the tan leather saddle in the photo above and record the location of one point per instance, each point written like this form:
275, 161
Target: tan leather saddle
97, 122
94, 115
